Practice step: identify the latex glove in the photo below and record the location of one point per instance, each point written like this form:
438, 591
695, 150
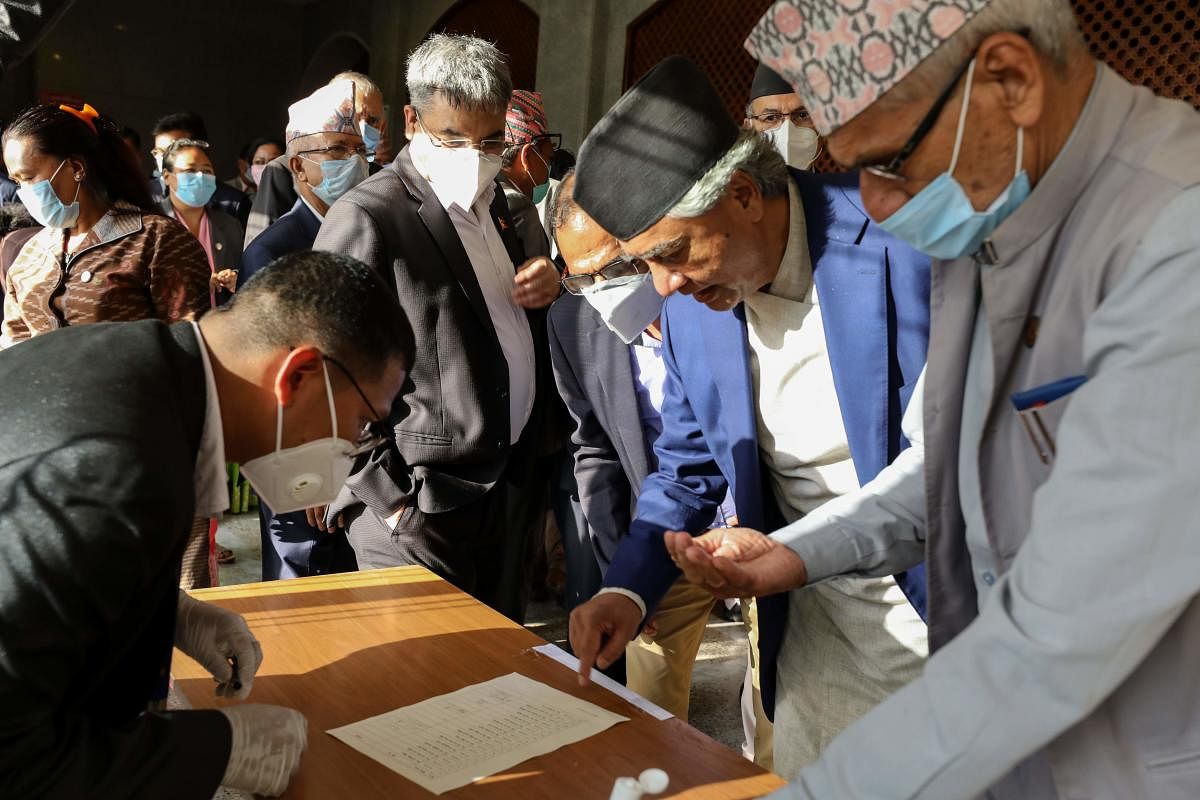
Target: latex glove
265, 748
220, 641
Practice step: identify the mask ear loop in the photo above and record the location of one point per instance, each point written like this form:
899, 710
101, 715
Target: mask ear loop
1020, 152
329, 396
962, 118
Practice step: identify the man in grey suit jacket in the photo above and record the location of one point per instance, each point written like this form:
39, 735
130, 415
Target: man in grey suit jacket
1056, 495
457, 494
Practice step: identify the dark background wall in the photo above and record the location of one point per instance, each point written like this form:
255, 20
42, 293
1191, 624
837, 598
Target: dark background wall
239, 63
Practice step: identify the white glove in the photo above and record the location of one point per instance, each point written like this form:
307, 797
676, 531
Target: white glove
220, 641
265, 748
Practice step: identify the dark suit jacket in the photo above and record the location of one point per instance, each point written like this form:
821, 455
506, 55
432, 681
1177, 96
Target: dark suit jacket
612, 457
276, 194
97, 493
874, 293
228, 199
527, 221
294, 232
452, 417
226, 236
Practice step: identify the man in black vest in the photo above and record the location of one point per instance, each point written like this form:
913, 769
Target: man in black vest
116, 435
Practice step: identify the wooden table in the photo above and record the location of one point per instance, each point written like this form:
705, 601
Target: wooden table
341, 648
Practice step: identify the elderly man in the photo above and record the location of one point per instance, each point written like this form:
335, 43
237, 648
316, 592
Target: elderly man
98, 499
327, 158
277, 192
526, 168
790, 401
775, 111
457, 493
1056, 496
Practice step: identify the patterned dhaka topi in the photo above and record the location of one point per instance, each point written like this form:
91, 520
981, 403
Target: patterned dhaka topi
526, 119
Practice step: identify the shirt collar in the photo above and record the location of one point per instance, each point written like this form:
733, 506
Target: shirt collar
794, 279
311, 208
210, 478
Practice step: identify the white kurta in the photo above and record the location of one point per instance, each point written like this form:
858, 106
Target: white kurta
850, 642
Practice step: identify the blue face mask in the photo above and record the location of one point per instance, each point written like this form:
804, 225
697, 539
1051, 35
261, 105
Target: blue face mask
940, 220
371, 138
339, 177
43, 204
195, 189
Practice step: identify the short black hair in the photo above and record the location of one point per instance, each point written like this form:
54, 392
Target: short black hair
252, 148
336, 302
189, 122
14, 216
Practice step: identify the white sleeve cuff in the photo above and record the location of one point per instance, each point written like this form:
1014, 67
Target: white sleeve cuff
634, 596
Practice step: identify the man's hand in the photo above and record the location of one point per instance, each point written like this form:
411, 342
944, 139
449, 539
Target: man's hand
221, 642
536, 283
223, 279
600, 629
316, 519
736, 562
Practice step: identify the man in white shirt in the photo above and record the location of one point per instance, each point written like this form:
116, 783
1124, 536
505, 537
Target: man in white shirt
459, 493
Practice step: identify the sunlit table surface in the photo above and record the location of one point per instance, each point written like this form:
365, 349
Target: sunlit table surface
341, 648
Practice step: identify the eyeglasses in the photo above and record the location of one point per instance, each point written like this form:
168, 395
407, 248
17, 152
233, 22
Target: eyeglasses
773, 119
617, 268
374, 434
554, 139
338, 152
491, 147
891, 170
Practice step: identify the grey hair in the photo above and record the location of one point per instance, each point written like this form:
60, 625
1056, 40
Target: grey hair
1052, 29
362, 83
469, 72
751, 154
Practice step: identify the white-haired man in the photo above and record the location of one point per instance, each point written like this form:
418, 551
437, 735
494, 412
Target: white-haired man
1056, 497
457, 494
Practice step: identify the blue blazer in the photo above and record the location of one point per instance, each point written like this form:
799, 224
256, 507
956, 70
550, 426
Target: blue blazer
874, 292
294, 232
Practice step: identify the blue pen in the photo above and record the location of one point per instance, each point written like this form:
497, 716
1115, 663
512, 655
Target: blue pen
1029, 401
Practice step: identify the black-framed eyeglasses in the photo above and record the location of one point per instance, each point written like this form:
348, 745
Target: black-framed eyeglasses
891, 170
491, 147
617, 268
773, 119
374, 434
337, 152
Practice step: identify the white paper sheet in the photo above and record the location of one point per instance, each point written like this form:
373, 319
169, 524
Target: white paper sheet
600, 679
451, 740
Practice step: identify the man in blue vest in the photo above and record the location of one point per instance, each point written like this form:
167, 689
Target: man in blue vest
788, 370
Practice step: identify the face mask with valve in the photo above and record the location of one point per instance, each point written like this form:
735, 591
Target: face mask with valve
301, 477
45, 207
940, 220
799, 146
458, 175
627, 305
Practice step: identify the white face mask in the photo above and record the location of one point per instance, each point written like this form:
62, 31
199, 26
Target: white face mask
305, 476
798, 146
458, 175
627, 305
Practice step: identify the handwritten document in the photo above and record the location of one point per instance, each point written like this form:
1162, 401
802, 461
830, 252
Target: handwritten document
449, 741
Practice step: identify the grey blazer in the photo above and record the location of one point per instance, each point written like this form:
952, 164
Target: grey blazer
452, 418
612, 457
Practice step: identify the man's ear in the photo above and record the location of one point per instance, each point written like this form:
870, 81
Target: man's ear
745, 195
410, 122
296, 165
1011, 61
299, 365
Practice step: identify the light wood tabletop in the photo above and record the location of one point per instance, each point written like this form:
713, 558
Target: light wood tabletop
342, 648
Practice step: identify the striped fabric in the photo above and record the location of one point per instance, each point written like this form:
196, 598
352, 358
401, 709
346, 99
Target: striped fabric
131, 266
526, 117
